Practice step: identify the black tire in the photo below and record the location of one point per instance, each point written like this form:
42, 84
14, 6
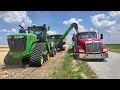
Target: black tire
63, 48
6, 60
74, 50
36, 58
52, 52
47, 57
55, 52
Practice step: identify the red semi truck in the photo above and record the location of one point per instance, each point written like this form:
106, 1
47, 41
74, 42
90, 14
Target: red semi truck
88, 46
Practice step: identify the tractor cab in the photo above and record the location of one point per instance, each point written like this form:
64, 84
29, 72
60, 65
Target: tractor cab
39, 31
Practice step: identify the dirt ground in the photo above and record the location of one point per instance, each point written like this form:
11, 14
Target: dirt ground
18, 72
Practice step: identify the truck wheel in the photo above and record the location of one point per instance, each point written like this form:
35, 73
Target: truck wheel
63, 48
36, 58
74, 50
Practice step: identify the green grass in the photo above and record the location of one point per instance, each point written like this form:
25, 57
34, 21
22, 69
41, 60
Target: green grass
113, 47
67, 70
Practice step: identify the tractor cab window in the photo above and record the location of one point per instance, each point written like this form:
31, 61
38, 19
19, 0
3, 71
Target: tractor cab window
58, 36
87, 35
37, 31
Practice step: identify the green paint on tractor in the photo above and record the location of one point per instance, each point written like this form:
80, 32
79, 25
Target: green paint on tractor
31, 46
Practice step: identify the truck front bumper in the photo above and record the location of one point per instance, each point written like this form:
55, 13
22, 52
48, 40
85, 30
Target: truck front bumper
93, 56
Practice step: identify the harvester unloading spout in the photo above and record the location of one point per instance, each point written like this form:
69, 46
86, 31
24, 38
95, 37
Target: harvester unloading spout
75, 26
67, 31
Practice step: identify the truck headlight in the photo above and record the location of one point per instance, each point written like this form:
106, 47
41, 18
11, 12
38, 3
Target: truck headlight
81, 50
105, 50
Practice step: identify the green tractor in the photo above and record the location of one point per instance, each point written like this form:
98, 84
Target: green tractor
59, 39
30, 46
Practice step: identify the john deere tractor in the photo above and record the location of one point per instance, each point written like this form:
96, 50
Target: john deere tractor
30, 46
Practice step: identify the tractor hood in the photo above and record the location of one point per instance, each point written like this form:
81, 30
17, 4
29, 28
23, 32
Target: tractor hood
22, 34
88, 39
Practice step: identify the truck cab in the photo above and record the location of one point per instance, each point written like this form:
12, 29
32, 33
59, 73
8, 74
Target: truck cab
88, 46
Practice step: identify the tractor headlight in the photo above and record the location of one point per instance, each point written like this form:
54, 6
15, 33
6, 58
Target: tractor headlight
21, 36
105, 50
8, 37
81, 50
17, 37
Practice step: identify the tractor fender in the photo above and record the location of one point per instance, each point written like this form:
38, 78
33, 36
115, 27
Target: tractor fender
32, 46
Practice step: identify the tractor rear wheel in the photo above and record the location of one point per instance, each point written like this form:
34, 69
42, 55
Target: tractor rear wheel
36, 58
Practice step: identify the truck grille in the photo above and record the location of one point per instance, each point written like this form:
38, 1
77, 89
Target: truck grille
93, 47
17, 44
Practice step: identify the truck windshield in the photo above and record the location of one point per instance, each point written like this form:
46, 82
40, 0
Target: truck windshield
87, 35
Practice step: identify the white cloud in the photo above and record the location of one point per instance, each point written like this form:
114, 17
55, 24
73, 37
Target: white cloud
74, 20
104, 22
109, 31
4, 30
51, 32
79, 20
115, 14
102, 16
16, 17
91, 29
13, 30
26, 22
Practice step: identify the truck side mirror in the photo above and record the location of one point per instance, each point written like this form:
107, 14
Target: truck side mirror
101, 36
73, 38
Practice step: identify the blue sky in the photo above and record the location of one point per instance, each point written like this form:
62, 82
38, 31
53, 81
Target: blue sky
108, 22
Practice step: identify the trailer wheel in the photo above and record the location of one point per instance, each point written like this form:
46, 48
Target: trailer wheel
36, 58
52, 52
48, 57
